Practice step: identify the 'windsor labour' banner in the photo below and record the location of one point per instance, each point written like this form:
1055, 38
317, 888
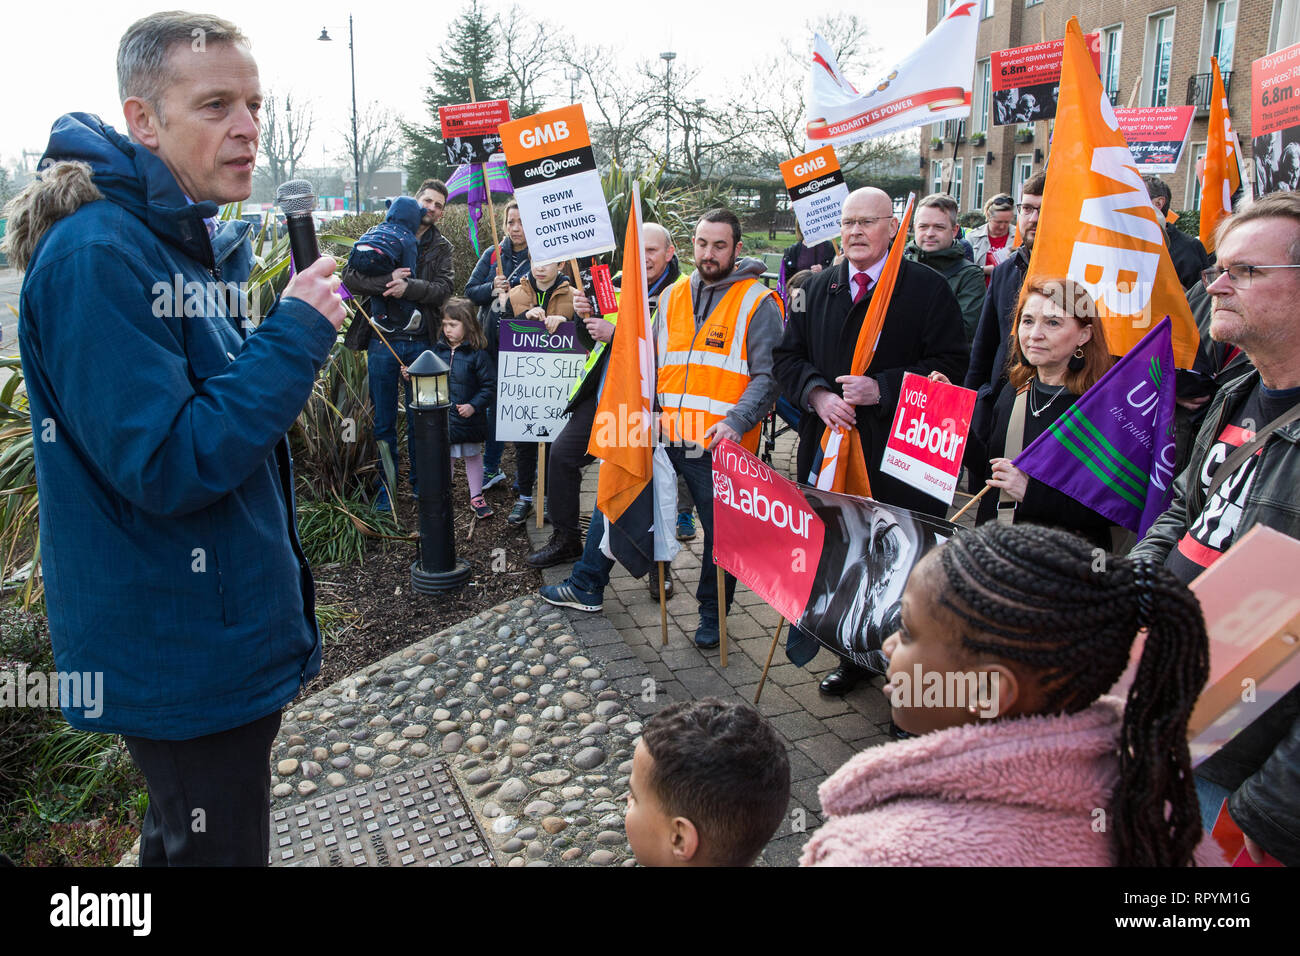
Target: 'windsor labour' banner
817, 191
928, 436
1098, 225
1156, 135
1113, 450
933, 83
557, 185
834, 564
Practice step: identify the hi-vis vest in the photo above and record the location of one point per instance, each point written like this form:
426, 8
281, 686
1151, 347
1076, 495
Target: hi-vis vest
703, 373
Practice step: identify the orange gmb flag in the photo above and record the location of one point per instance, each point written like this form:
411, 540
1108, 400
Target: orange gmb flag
1221, 177
620, 436
1098, 226
840, 463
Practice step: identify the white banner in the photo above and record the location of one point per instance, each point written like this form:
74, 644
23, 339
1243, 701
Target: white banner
933, 83
535, 373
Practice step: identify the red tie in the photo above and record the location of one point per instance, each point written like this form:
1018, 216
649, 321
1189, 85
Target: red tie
861, 280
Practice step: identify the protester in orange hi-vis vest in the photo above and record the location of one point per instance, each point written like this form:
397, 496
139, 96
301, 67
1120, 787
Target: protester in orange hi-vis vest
1097, 225
1220, 177
715, 332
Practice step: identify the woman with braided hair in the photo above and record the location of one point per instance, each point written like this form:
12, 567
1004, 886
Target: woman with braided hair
1010, 638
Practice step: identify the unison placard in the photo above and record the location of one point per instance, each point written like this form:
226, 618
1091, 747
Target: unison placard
536, 370
558, 188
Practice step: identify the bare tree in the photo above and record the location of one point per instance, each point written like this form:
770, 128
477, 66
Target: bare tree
286, 130
379, 136
625, 106
530, 48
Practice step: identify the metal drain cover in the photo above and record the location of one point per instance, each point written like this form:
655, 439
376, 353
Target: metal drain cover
413, 818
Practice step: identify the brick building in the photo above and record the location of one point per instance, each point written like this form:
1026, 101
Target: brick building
1153, 53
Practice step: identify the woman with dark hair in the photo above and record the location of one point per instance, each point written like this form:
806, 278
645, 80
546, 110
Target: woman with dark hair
1037, 767
1057, 352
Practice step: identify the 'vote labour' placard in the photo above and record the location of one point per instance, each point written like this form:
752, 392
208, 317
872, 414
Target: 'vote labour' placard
556, 183
929, 435
817, 192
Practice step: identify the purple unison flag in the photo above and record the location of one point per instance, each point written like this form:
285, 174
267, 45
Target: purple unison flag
1113, 450
469, 181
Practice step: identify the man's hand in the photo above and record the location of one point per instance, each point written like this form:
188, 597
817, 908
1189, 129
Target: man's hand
860, 389
396, 287
317, 286
602, 330
814, 268
465, 411
501, 285
940, 377
1192, 404
833, 410
716, 432
581, 304
1009, 478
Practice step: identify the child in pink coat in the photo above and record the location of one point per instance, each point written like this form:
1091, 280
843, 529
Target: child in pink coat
1010, 637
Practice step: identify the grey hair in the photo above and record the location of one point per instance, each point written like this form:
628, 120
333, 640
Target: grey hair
663, 233
142, 65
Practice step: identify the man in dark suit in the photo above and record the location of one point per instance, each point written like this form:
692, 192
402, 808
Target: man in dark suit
922, 333
1190, 257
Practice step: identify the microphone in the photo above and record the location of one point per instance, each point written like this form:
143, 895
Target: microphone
297, 199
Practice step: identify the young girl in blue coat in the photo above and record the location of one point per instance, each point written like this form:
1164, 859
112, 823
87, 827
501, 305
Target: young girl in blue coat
463, 346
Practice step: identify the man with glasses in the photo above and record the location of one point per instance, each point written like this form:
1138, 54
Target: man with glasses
922, 333
988, 355
1245, 471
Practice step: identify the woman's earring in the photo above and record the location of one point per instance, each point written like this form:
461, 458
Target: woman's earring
1077, 361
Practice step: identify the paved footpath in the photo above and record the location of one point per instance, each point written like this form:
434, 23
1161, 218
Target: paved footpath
507, 739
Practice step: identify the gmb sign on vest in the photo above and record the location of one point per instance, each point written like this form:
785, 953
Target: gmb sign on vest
556, 184
817, 191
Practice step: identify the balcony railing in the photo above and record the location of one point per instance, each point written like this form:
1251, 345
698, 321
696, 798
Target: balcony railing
1200, 87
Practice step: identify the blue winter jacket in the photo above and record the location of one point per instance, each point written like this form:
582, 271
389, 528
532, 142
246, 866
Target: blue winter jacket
171, 559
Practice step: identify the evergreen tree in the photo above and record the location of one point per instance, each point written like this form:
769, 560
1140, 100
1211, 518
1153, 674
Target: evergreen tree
468, 54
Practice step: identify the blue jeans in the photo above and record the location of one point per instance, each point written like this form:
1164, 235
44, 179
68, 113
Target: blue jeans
384, 375
591, 572
1210, 796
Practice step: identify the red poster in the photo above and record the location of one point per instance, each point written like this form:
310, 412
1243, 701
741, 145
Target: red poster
604, 288
469, 130
764, 531
1275, 120
1026, 80
928, 436
1156, 135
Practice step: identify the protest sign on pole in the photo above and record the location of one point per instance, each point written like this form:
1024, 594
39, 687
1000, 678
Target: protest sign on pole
932, 83
561, 200
928, 436
536, 371
1026, 80
1275, 120
817, 192
1156, 135
469, 130
834, 564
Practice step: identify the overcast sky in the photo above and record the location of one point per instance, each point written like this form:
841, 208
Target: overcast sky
61, 58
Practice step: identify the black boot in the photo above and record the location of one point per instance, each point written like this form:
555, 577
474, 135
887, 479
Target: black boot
843, 679
562, 547
652, 580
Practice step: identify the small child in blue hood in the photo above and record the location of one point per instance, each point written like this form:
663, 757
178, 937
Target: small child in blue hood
380, 251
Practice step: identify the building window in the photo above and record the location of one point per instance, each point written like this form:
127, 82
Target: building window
982, 87
1193, 181
936, 175
1024, 169
1219, 36
1110, 45
977, 185
988, 9
956, 183
1160, 51
1285, 28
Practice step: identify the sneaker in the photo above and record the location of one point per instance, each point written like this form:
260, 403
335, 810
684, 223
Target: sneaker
481, 508
566, 595
706, 635
492, 479
520, 512
381, 500
652, 580
685, 526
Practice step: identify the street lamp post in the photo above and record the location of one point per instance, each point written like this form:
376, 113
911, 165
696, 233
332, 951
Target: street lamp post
356, 148
668, 56
574, 75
